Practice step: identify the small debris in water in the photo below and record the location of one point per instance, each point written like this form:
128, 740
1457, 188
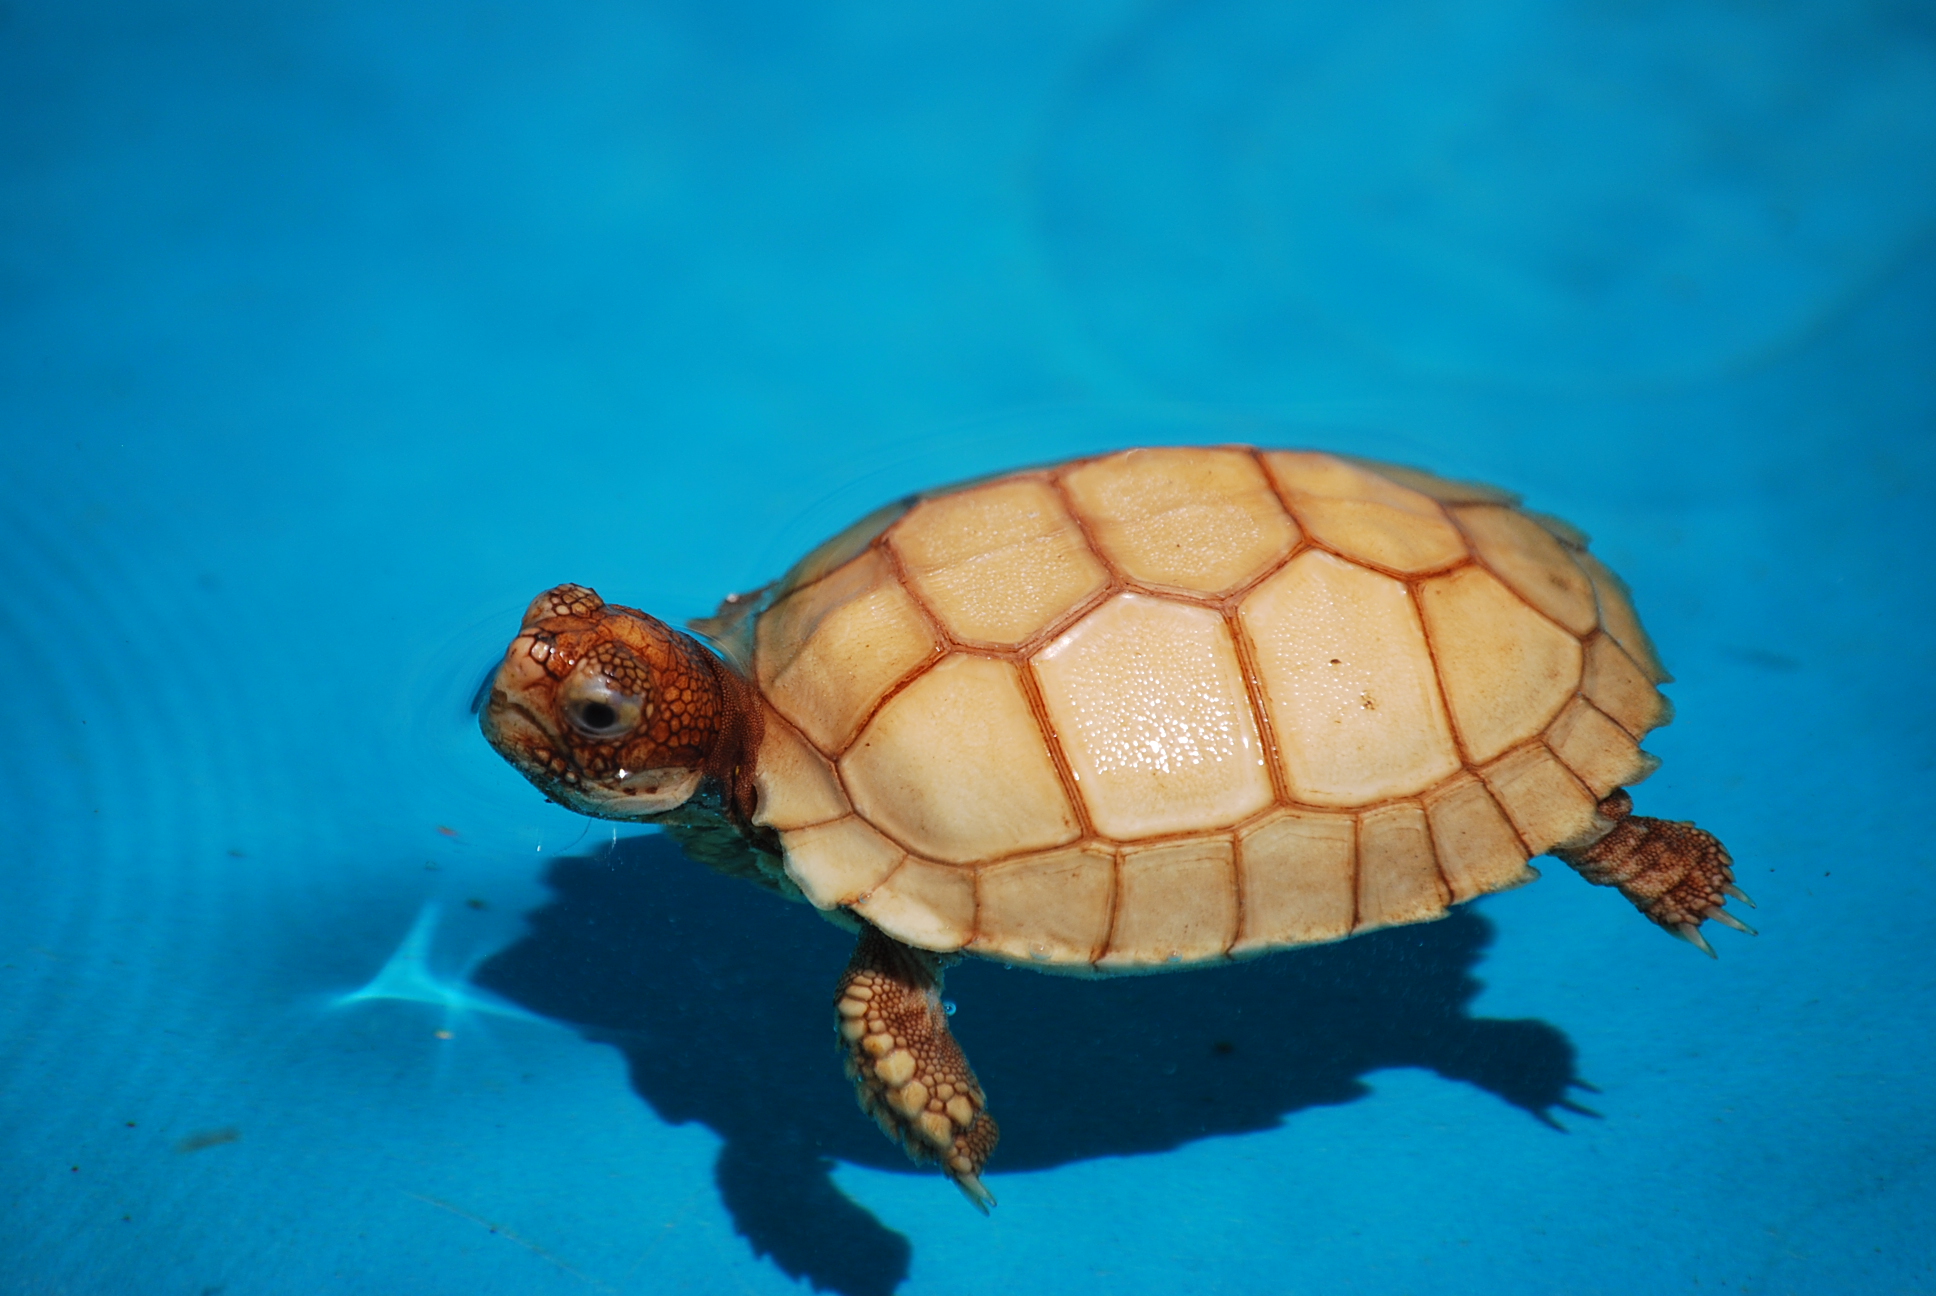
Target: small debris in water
202, 1139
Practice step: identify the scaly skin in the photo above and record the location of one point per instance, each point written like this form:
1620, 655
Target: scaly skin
1676, 874
692, 717
909, 1073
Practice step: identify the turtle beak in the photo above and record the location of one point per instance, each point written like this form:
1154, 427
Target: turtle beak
637, 794
513, 728
510, 729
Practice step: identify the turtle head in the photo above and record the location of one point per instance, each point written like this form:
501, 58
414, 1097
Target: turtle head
608, 711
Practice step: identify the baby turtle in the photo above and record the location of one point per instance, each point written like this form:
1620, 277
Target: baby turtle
1148, 711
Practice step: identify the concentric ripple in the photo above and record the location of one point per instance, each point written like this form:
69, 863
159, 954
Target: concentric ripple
124, 790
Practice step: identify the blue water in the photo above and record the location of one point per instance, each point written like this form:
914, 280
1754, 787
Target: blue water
332, 332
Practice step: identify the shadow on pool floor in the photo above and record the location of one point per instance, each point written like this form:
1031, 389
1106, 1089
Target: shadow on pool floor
720, 997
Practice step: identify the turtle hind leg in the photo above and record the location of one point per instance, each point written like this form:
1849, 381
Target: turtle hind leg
909, 1073
1674, 873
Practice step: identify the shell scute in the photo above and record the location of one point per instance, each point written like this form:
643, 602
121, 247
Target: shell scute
1506, 669
1178, 905
1617, 618
842, 549
955, 767
1048, 909
1398, 872
1348, 683
1446, 490
1621, 689
1296, 870
1569, 536
795, 784
837, 863
1602, 754
923, 903
1362, 515
1547, 804
1478, 851
830, 650
1147, 698
1196, 520
1531, 559
999, 563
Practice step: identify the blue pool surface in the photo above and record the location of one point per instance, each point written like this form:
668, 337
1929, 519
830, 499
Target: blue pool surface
331, 333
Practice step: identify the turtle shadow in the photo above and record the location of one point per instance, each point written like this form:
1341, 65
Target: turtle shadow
720, 998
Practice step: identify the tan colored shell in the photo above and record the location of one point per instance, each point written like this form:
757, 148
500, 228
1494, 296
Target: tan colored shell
1171, 706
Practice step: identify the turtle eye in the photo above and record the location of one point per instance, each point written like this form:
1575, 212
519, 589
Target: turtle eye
598, 709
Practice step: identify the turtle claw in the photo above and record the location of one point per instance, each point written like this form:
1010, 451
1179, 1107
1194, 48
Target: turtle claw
978, 1196
1691, 933
1727, 919
1674, 873
909, 1074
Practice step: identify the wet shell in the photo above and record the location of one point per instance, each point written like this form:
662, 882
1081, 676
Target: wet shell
1172, 706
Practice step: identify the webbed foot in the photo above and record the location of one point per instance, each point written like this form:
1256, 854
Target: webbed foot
908, 1072
1674, 873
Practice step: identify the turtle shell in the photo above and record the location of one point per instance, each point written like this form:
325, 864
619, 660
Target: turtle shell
1172, 706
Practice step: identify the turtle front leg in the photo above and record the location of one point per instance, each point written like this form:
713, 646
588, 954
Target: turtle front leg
908, 1072
1676, 874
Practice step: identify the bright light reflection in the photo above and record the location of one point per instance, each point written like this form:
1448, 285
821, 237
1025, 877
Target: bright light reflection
407, 976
